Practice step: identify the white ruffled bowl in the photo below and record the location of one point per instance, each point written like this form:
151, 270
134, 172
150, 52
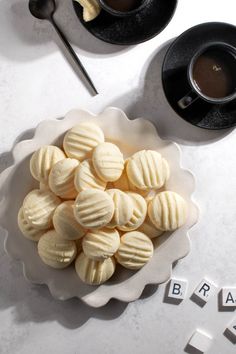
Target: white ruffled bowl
130, 136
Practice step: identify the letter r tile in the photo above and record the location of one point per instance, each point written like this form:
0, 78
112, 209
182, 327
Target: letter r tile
204, 291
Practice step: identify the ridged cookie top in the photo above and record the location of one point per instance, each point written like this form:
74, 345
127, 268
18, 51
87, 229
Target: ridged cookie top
101, 244
87, 178
123, 205
145, 169
55, 251
124, 184
168, 211
93, 208
147, 227
138, 215
166, 168
108, 162
94, 272
38, 208
135, 250
80, 141
27, 230
61, 178
65, 223
42, 161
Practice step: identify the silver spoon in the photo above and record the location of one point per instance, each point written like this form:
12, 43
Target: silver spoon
44, 10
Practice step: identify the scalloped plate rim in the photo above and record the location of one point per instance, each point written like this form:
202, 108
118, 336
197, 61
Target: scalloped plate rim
126, 297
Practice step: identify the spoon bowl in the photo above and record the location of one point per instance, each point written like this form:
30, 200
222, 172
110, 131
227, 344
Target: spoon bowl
42, 9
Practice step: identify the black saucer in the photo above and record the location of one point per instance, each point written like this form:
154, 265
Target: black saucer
174, 75
132, 29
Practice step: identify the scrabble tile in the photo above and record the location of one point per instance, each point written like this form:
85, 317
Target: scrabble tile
200, 341
230, 331
177, 289
229, 297
232, 328
204, 291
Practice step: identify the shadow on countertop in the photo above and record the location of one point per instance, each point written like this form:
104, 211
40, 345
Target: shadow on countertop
25, 38
6, 158
34, 303
149, 102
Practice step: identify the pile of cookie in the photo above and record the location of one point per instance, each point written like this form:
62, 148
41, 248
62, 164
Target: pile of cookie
97, 208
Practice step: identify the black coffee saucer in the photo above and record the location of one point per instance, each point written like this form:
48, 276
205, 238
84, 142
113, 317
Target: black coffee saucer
132, 29
174, 75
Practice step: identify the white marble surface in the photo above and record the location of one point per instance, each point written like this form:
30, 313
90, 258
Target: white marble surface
36, 83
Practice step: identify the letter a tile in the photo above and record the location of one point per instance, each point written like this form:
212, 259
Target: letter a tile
229, 297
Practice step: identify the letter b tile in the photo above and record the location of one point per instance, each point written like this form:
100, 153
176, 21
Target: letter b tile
177, 289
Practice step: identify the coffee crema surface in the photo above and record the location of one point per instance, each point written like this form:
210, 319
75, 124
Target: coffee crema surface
214, 73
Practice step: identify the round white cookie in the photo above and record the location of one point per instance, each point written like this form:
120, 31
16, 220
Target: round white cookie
80, 140
93, 208
42, 161
149, 229
123, 205
86, 177
108, 162
101, 244
166, 168
61, 178
55, 251
168, 211
94, 272
65, 223
124, 184
138, 215
27, 230
146, 170
38, 208
135, 250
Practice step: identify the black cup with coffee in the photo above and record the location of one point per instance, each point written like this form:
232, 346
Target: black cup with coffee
211, 75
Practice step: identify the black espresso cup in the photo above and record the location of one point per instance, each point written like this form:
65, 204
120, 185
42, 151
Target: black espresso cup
123, 8
212, 75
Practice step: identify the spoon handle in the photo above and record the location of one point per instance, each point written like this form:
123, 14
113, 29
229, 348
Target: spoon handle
73, 54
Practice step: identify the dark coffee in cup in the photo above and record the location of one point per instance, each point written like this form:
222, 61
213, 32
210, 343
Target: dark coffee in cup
212, 75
